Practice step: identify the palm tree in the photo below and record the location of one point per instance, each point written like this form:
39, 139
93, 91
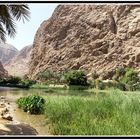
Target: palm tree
8, 14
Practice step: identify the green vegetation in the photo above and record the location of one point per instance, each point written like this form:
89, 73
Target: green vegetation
95, 107
131, 80
112, 113
13, 81
39, 86
125, 79
76, 78
33, 104
95, 112
50, 77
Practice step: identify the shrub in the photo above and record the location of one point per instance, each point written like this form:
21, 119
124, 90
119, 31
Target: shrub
92, 83
27, 83
99, 84
119, 72
76, 77
33, 104
3, 81
120, 86
108, 84
50, 77
13, 80
130, 77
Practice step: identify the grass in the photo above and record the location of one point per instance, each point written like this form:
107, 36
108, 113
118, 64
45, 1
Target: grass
110, 113
39, 86
57, 87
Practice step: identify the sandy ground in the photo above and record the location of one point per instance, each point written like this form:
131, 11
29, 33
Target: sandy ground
9, 126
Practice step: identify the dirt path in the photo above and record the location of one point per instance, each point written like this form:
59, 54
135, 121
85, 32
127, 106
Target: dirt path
9, 126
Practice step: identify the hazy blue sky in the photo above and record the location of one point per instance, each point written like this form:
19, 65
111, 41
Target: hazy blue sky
26, 31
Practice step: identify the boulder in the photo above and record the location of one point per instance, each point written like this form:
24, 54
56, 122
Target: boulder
7, 117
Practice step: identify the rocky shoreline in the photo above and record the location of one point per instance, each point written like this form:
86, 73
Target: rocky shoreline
8, 124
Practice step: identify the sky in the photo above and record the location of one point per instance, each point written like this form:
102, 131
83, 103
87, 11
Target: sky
26, 31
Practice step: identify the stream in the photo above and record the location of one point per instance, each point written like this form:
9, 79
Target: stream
35, 121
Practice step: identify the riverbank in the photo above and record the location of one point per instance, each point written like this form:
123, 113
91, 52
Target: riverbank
8, 124
79, 112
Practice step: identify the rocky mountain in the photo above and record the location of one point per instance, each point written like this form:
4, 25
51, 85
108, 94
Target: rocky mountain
18, 66
7, 52
90, 37
3, 72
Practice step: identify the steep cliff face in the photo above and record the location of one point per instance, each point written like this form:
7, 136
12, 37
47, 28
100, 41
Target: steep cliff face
18, 66
89, 37
3, 72
7, 52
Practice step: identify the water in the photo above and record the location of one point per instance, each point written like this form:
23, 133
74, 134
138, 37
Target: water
36, 121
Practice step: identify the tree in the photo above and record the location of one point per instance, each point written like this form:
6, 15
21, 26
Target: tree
8, 14
76, 77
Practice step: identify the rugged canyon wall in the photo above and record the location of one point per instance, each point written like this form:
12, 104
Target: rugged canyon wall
18, 66
3, 72
7, 52
89, 37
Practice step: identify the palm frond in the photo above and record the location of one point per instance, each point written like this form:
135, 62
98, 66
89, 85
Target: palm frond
7, 20
19, 12
8, 14
2, 33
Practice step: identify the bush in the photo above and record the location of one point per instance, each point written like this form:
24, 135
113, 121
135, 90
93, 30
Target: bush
11, 80
131, 79
109, 84
120, 86
119, 72
27, 83
76, 77
100, 84
50, 77
33, 104
16, 82
92, 84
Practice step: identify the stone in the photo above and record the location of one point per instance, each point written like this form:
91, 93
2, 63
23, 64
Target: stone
3, 111
137, 58
28, 112
18, 65
2, 105
7, 117
2, 97
7, 52
82, 36
3, 72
